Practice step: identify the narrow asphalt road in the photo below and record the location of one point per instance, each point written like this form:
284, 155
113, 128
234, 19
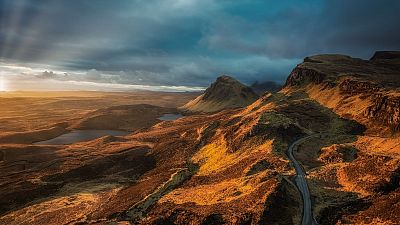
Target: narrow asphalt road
301, 183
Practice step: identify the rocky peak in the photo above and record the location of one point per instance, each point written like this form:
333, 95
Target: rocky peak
226, 87
225, 92
387, 59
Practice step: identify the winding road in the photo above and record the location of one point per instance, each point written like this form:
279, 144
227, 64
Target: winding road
301, 183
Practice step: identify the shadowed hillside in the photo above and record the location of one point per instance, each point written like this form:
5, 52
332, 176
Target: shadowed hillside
224, 93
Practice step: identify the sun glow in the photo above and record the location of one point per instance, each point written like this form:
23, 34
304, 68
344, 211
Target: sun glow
3, 84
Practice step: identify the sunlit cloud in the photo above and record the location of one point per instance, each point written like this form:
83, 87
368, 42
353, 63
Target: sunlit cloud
14, 77
186, 42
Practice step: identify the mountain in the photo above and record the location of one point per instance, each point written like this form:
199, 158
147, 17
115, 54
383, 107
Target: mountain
266, 86
226, 92
337, 116
359, 162
367, 91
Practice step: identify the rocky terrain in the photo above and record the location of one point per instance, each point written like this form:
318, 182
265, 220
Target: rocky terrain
224, 93
353, 177
365, 90
231, 166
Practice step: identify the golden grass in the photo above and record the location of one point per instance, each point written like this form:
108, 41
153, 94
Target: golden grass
225, 191
350, 186
215, 156
379, 145
30, 111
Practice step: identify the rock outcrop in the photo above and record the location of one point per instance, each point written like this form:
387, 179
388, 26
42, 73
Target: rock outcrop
229, 167
224, 93
385, 109
370, 88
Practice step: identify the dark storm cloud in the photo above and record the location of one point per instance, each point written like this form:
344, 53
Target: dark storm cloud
297, 29
190, 42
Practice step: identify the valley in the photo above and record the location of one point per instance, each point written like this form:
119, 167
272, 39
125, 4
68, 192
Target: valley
323, 150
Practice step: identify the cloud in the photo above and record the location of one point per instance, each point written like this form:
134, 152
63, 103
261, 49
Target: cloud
299, 29
93, 75
47, 75
189, 42
19, 77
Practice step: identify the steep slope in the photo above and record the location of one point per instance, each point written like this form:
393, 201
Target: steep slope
229, 167
365, 90
224, 93
353, 176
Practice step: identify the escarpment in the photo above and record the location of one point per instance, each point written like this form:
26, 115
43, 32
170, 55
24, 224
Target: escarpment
385, 109
301, 76
365, 90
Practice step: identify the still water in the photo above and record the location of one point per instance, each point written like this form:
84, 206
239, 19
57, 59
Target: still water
81, 135
170, 117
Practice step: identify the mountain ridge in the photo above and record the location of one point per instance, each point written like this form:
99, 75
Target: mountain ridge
365, 90
227, 167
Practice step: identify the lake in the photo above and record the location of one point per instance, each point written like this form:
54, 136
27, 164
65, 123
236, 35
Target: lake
170, 117
81, 135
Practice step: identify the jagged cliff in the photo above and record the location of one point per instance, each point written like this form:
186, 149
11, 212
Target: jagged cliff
365, 90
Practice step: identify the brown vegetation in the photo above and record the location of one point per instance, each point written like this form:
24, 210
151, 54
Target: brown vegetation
229, 167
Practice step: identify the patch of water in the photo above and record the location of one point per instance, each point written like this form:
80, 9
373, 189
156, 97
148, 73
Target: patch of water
81, 135
170, 117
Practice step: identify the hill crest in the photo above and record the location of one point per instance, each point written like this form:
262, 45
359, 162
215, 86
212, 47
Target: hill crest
226, 92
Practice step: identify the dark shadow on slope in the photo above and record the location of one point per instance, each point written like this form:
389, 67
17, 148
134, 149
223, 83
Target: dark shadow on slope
282, 206
129, 164
333, 213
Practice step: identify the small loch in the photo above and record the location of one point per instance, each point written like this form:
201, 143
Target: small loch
81, 135
170, 117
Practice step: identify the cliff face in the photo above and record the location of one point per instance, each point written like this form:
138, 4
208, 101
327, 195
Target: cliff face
385, 110
370, 88
350, 86
301, 76
229, 167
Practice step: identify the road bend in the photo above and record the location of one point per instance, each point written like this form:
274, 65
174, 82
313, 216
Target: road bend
301, 183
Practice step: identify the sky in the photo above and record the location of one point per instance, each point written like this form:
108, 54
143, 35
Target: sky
180, 45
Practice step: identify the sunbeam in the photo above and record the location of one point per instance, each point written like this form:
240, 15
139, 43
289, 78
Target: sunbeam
11, 22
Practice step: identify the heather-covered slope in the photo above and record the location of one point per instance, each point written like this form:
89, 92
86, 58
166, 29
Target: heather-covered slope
353, 178
229, 167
